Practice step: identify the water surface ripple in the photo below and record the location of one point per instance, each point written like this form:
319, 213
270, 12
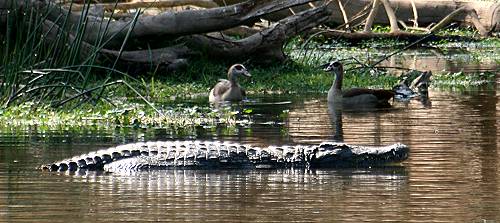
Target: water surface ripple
451, 175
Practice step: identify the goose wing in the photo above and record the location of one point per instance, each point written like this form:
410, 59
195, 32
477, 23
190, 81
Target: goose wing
221, 87
381, 94
243, 93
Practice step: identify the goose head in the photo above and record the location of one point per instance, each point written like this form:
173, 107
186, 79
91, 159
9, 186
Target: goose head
337, 69
237, 70
334, 67
422, 82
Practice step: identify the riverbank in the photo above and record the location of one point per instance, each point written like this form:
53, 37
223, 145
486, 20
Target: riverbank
181, 99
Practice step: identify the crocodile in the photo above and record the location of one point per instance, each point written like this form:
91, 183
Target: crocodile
212, 154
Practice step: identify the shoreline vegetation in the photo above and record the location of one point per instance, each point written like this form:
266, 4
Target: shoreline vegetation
183, 99
79, 95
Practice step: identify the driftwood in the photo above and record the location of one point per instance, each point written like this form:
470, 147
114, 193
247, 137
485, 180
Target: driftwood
408, 19
425, 12
173, 37
265, 45
484, 16
410, 14
261, 47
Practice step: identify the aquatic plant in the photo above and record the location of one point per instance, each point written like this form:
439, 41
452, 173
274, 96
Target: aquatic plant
463, 80
135, 115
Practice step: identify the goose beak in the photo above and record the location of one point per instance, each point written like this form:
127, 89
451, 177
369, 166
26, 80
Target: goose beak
246, 74
325, 67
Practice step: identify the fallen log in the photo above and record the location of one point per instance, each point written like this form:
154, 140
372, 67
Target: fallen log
419, 13
146, 4
265, 46
425, 12
168, 24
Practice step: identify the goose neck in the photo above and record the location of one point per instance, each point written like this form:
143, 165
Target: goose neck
337, 84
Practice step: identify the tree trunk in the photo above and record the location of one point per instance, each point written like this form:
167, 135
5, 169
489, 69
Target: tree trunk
428, 11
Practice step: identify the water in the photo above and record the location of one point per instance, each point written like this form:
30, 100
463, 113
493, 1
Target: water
452, 174
454, 57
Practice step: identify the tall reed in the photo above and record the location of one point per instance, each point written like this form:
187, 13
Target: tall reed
42, 62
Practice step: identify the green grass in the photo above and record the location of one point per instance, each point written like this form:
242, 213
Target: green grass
170, 93
186, 104
51, 87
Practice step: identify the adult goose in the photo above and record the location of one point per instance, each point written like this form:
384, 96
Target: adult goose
413, 84
355, 97
229, 90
